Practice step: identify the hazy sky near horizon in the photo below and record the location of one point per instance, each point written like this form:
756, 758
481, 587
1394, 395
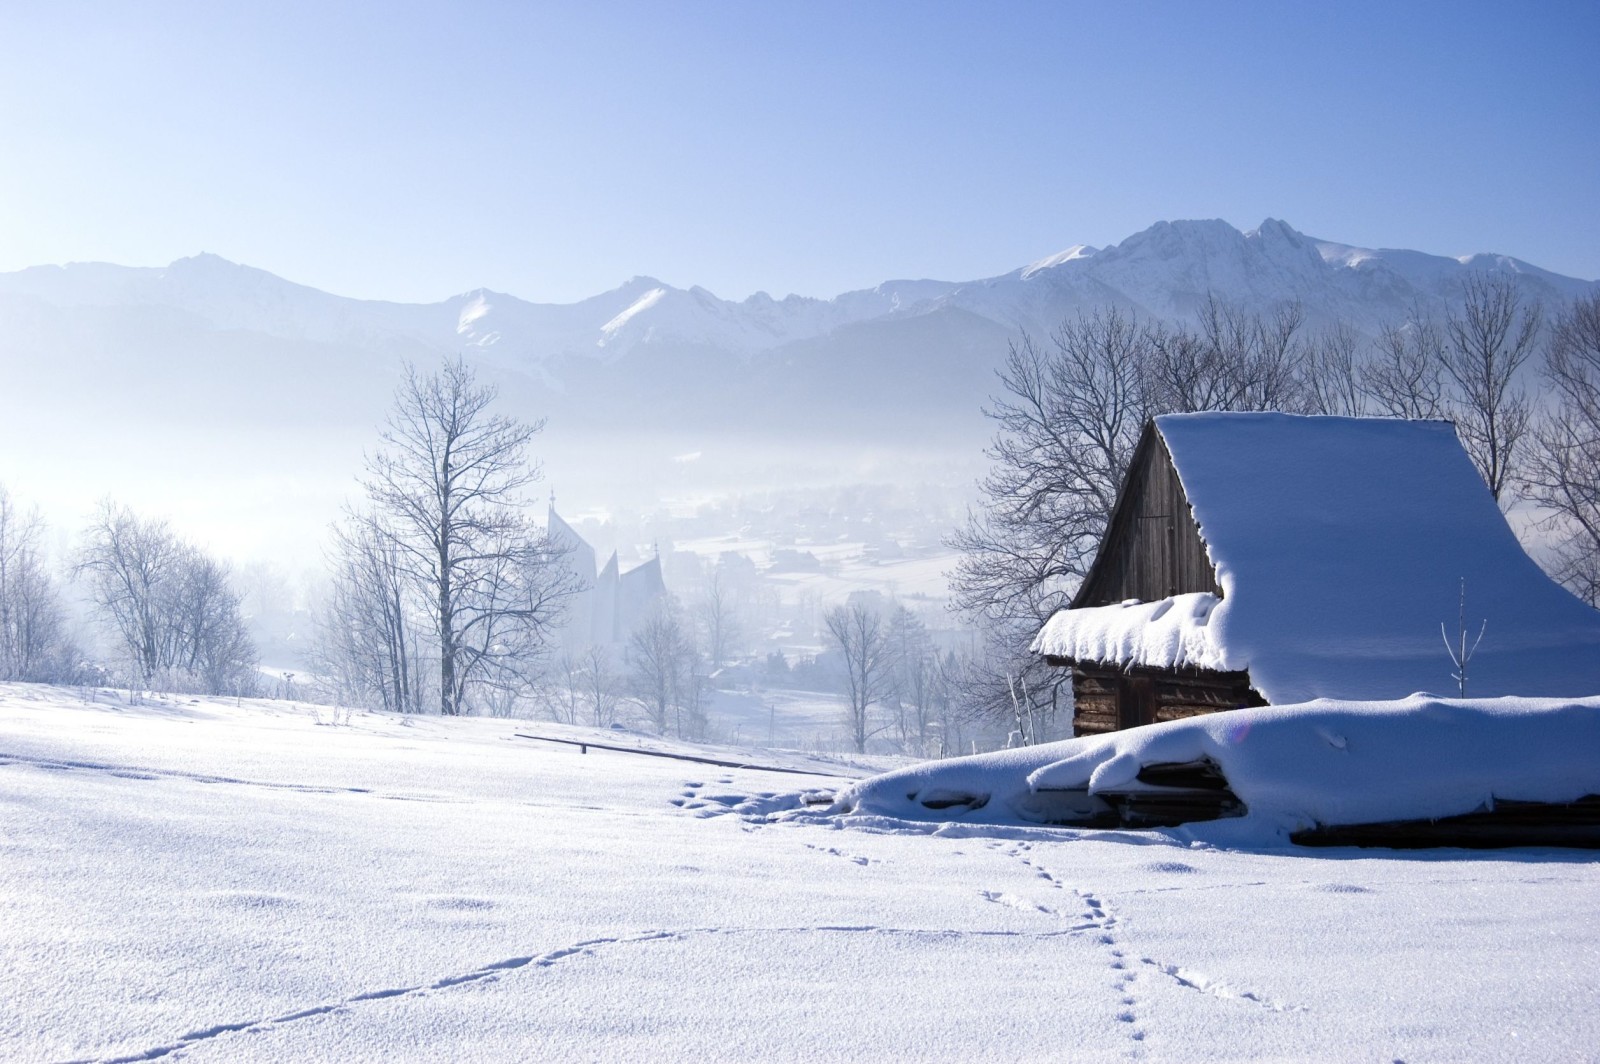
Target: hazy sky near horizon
411, 151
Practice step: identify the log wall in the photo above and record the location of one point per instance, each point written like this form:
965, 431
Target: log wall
1107, 698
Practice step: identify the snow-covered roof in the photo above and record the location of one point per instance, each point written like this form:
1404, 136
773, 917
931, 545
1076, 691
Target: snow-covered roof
1340, 545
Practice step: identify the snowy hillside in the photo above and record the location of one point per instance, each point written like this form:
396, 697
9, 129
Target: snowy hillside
211, 882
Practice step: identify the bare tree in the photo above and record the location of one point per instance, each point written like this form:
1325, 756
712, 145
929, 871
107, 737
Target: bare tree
1562, 472
1068, 422
1487, 343
564, 684
32, 640
999, 680
1404, 378
448, 483
172, 606
130, 563
213, 645
913, 678
857, 630
367, 643
1333, 374
1235, 360
718, 619
602, 686
660, 668
584, 687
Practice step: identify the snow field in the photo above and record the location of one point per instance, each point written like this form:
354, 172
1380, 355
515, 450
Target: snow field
210, 882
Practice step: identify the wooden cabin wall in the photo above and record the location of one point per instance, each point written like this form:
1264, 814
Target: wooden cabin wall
1152, 548
1107, 698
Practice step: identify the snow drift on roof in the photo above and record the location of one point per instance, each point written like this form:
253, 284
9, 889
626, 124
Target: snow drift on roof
1341, 545
1173, 633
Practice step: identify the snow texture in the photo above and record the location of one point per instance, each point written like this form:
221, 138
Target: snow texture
1341, 545
1294, 767
195, 880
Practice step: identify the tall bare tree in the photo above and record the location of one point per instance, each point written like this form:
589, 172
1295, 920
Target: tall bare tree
1068, 421
1333, 374
602, 685
664, 673
213, 645
913, 678
857, 630
131, 563
367, 643
1487, 341
448, 483
1562, 471
718, 617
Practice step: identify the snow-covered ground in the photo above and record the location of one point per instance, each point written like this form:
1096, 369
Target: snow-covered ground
779, 717
206, 881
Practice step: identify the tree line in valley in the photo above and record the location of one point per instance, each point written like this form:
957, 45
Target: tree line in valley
169, 609
444, 595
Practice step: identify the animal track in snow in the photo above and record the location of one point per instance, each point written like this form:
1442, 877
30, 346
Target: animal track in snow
835, 852
488, 971
497, 969
1205, 984
131, 772
1000, 897
1097, 917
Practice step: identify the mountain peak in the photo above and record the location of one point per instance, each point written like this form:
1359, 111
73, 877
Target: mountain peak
640, 282
1183, 232
1076, 251
208, 262
1272, 228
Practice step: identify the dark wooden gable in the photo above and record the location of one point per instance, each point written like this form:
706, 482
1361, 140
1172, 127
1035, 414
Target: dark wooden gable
1152, 547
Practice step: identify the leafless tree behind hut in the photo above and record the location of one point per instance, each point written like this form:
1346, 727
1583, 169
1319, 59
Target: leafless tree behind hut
1486, 342
1562, 471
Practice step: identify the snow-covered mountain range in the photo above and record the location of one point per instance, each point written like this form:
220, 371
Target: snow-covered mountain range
1163, 271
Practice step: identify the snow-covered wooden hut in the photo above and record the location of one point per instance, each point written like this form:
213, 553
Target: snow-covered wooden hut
1271, 558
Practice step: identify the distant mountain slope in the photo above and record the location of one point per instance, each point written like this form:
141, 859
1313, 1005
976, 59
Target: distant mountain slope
1163, 271
204, 351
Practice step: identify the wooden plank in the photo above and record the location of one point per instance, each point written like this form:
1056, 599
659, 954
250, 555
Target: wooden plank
1509, 823
1152, 547
685, 757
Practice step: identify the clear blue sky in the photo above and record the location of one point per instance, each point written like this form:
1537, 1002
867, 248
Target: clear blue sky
415, 150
